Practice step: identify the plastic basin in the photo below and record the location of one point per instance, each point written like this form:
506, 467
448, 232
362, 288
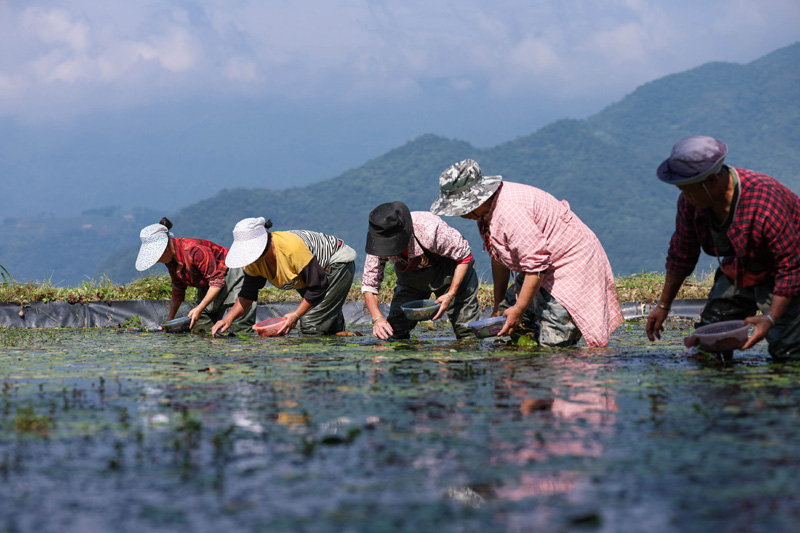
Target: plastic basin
177, 325
488, 327
269, 327
722, 336
420, 309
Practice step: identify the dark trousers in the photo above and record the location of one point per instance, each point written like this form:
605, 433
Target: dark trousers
545, 319
220, 305
436, 279
726, 301
327, 318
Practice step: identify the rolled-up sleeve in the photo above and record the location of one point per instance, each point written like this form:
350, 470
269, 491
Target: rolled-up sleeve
178, 290
373, 274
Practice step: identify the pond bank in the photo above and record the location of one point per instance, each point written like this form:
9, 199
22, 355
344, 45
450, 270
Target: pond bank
153, 312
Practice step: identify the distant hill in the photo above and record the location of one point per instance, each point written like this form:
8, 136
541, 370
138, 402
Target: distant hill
603, 166
63, 250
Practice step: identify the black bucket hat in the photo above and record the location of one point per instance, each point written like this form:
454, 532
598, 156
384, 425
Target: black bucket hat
390, 229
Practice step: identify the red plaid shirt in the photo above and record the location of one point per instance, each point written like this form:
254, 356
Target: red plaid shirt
197, 263
765, 230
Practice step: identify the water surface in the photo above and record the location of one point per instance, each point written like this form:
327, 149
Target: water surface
105, 430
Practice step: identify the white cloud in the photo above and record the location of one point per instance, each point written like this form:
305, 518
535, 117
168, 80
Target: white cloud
56, 27
349, 50
13, 87
177, 50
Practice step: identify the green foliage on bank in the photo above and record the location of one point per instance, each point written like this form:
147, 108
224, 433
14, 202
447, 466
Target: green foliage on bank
637, 287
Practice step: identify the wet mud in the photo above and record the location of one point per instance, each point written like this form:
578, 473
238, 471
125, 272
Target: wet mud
118, 430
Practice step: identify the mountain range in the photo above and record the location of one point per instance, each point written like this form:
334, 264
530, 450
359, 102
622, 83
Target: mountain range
604, 166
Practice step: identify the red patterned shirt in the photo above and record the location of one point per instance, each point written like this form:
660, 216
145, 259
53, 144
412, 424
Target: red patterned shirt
197, 263
765, 230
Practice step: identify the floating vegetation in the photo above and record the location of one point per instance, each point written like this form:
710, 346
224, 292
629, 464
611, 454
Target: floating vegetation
193, 433
22, 336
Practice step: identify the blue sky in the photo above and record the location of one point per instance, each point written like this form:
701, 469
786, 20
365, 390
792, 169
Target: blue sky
280, 93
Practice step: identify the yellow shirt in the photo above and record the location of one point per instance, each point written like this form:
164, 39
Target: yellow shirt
291, 256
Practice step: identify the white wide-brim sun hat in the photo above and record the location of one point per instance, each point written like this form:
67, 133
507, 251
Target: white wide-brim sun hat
250, 237
155, 238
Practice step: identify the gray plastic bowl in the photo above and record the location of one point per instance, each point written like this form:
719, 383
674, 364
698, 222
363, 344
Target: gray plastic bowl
177, 325
488, 327
420, 309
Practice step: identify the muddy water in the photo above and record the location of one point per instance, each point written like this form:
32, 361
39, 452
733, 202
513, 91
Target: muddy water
102, 430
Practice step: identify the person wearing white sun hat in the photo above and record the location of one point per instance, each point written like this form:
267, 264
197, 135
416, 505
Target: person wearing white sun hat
319, 267
194, 263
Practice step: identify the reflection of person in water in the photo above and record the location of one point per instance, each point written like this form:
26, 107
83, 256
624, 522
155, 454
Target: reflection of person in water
574, 421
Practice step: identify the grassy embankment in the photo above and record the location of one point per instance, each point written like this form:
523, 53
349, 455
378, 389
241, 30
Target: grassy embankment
643, 287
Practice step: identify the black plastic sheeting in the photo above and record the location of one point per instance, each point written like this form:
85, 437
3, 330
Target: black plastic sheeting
116, 313
154, 312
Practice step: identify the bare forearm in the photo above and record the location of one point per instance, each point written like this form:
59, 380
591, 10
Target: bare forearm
209, 297
239, 308
500, 277
174, 305
373, 307
672, 284
458, 276
779, 304
530, 286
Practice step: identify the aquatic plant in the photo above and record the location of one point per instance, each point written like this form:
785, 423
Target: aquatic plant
27, 421
19, 336
5, 275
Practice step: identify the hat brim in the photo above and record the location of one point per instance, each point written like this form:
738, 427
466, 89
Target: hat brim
387, 246
150, 253
243, 253
462, 202
666, 175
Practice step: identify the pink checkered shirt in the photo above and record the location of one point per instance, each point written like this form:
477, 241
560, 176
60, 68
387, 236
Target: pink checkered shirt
431, 233
529, 231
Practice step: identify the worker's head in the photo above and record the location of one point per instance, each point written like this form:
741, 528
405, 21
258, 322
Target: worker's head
462, 188
390, 229
250, 241
155, 244
695, 166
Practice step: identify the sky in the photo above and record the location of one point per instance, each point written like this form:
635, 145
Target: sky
101, 97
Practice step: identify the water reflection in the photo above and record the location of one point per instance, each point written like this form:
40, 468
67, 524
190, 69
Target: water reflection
562, 410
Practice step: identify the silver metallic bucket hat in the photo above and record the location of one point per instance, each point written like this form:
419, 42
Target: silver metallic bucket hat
462, 188
692, 160
250, 237
155, 238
